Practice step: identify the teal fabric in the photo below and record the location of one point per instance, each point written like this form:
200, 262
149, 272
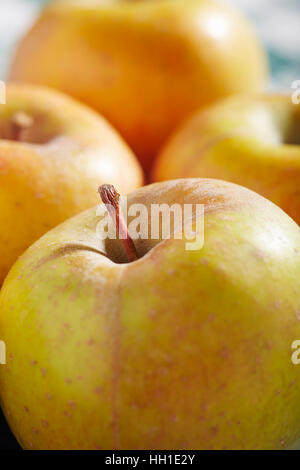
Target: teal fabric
277, 23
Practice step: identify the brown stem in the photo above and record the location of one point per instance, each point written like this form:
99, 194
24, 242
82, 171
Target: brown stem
20, 123
111, 198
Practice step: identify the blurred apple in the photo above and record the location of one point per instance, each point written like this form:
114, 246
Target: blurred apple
53, 154
252, 141
176, 350
145, 65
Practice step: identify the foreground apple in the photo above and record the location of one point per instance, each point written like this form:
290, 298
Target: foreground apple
145, 65
53, 153
176, 350
252, 141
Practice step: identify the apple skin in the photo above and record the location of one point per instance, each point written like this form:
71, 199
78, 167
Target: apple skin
144, 65
178, 350
253, 141
53, 173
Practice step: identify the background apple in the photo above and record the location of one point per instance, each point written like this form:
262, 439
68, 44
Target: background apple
144, 65
252, 141
53, 154
177, 350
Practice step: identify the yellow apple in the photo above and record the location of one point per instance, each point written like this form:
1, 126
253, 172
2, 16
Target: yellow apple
53, 154
176, 350
252, 141
145, 65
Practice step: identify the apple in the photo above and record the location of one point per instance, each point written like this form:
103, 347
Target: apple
145, 65
250, 140
53, 153
176, 349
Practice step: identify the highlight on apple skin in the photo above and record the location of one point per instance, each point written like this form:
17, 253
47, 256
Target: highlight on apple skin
253, 141
146, 65
54, 152
177, 350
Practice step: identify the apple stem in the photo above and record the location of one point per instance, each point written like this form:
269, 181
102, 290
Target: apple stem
111, 198
19, 124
